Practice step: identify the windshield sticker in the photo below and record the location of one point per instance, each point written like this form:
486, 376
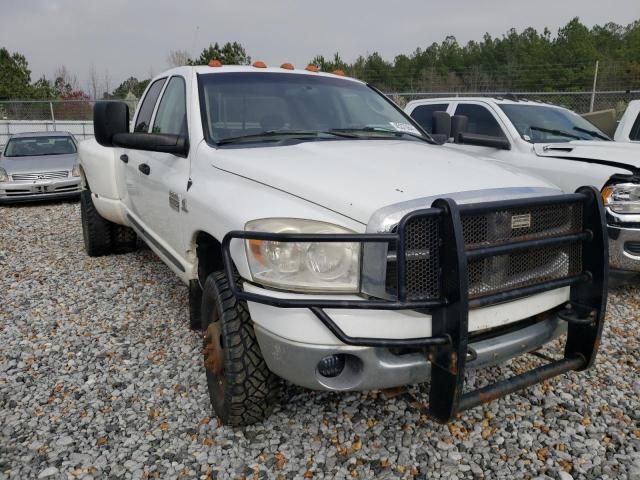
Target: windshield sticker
404, 127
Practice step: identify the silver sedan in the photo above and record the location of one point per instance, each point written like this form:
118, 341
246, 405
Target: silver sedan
39, 166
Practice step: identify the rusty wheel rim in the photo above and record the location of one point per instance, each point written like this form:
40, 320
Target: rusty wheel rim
214, 352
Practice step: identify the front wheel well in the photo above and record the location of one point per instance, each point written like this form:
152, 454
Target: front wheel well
209, 254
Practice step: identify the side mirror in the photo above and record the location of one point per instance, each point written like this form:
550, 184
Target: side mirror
109, 119
458, 125
484, 141
153, 142
442, 124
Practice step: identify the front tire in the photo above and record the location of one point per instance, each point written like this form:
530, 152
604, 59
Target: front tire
96, 230
242, 389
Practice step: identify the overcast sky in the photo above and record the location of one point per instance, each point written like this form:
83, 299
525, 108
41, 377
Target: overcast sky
134, 37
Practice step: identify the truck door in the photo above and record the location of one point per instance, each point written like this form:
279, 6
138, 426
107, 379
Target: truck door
161, 178
131, 159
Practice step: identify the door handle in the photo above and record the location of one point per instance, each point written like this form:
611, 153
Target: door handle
124, 157
144, 168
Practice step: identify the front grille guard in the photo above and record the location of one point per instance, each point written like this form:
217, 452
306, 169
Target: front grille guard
448, 347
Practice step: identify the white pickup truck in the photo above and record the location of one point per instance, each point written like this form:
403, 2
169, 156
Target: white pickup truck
552, 143
327, 241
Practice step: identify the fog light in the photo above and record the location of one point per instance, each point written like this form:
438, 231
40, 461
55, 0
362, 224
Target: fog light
331, 366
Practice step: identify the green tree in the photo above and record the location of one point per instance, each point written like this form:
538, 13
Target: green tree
330, 65
15, 76
133, 85
42, 89
61, 87
228, 54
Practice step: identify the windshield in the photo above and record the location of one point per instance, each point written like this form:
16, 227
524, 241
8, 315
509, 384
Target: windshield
37, 146
269, 106
541, 124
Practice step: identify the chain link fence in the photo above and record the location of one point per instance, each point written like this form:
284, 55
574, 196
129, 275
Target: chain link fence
75, 116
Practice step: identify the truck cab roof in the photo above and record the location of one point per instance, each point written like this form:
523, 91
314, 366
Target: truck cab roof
206, 69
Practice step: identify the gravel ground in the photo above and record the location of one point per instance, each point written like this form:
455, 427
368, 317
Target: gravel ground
100, 377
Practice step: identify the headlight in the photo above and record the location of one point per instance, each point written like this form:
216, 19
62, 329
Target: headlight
622, 198
3, 175
75, 172
303, 266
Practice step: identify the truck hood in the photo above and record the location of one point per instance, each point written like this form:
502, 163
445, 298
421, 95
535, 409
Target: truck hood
39, 163
615, 152
357, 177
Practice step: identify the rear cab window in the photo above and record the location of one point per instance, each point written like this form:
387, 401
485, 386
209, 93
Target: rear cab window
423, 114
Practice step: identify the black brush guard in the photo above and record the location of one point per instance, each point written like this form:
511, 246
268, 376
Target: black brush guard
448, 347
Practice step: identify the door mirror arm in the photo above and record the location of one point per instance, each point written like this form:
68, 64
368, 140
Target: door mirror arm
153, 142
484, 141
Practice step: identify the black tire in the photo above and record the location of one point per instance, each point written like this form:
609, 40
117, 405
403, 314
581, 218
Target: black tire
124, 239
242, 389
96, 230
195, 305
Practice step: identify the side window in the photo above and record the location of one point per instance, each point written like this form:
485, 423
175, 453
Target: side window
423, 114
171, 116
481, 121
634, 134
146, 109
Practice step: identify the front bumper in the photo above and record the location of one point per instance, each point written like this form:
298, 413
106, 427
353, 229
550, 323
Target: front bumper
449, 345
371, 368
624, 248
40, 190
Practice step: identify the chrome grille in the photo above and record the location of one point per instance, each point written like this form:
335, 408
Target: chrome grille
40, 175
494, 274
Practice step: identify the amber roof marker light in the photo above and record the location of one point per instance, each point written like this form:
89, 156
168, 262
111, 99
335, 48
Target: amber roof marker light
215, 63
312, 68
259, 64
287, 66
339, 72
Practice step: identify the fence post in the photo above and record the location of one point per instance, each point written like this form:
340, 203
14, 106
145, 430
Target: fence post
53, 117
595, 83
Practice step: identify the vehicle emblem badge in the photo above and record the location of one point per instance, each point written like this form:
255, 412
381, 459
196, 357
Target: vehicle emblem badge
521, 221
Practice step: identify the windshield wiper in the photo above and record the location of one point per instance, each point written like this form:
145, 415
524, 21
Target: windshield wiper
274, 134
593, 133
556, 132
395, 133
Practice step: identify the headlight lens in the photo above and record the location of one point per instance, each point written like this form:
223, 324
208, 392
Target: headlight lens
76, 170
622, 198
3, 175
303, 266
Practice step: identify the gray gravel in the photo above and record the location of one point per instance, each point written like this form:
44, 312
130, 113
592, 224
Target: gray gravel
100, 377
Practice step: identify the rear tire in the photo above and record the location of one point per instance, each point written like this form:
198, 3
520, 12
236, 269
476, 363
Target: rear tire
123, 239
96, 230
242, 389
